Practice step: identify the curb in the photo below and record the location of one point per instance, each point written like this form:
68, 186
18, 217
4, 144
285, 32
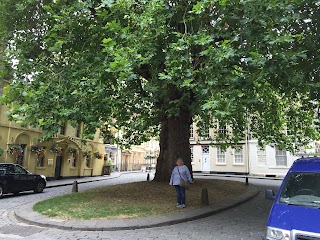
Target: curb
85, 180
27, 215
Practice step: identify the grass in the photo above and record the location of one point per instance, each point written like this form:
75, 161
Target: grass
134, 200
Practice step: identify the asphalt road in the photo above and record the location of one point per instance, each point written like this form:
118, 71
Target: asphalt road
245, 222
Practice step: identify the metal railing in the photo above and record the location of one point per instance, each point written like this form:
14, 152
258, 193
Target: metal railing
245, 177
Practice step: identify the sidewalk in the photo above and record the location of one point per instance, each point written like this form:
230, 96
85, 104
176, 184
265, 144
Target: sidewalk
66, 182
26, 214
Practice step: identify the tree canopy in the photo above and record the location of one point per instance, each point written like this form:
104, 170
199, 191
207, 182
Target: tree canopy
252, 65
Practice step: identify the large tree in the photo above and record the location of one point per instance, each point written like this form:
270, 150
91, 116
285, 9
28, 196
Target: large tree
150, 67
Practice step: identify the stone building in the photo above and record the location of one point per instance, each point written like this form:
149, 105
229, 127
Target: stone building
138, 157
63, 156
247, 157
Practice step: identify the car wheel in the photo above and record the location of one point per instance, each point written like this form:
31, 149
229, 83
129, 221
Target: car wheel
40, 185
1, 190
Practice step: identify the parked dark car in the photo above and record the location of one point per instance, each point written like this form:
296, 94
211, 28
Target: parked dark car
14, 179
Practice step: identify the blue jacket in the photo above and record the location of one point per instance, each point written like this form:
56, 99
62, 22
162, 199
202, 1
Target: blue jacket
184, 172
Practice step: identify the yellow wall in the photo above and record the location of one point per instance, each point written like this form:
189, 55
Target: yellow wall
12, 133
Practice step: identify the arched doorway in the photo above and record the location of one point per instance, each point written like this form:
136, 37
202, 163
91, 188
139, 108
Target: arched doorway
24, 141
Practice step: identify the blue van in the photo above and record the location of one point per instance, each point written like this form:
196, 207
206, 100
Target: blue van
295, 214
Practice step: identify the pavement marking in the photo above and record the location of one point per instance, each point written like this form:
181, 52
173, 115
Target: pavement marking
10, 236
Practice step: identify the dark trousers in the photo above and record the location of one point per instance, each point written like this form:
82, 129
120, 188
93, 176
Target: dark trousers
181, 194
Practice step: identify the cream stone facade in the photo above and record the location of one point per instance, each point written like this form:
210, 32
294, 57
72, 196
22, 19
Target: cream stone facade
208, 157
247, 157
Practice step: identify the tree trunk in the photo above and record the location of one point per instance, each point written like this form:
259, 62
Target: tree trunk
174, 143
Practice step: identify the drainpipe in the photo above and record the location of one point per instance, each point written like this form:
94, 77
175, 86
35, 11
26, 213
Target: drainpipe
120, 158
80, 160
247, 146
248, 154
8, 141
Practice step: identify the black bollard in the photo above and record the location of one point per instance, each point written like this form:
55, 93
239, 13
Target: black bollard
148, 177
204, 197
75, 186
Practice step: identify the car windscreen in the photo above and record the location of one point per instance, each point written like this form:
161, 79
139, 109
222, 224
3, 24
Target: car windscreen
302, 189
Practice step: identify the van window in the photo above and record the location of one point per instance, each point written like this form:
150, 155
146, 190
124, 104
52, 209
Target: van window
301, 189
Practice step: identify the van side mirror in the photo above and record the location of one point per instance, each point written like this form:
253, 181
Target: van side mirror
269, 194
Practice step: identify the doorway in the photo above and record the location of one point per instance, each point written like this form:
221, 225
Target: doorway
57, 172
20, 158
205, 159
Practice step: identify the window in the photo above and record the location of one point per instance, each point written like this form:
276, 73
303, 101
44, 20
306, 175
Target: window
317, 148
19, 170
9, 169
301, 188
238, 155
78, 130
63, 129
111, 156
191, 131
74, 160
139, 156
40, 161
222, 130
88, 161
205, 149
205, 134
101, 135
133, 158
191, 150
221, 156
281, 157
250, 135
289, 132
261, 152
